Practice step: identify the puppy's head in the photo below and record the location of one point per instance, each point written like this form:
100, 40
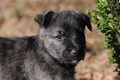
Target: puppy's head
63, 34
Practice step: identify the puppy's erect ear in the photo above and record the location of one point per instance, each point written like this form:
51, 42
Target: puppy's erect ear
44, 19
85, 18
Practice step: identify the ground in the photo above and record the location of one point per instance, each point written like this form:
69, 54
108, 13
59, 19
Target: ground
17, 20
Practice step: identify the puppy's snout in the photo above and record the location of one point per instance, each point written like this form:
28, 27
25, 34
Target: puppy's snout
74, 52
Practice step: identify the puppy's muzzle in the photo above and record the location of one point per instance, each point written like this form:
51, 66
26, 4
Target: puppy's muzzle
70, 54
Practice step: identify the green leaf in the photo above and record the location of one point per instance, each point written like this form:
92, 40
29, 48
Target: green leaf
110, 15
99, 16
119, 40
110, 24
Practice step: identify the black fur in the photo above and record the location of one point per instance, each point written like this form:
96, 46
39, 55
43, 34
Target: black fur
50, 55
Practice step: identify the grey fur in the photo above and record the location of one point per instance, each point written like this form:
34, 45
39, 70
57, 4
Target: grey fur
50, 55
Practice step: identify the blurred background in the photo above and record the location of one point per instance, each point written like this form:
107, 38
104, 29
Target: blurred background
17, 20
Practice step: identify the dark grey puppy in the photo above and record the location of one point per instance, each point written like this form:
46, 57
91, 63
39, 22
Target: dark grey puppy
50, 55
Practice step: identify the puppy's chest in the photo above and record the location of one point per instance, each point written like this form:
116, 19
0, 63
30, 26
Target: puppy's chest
40, 72
41, 75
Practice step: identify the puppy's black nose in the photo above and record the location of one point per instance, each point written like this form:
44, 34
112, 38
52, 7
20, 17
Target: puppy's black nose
74, 52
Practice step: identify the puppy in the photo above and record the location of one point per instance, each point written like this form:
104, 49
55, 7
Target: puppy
52, 54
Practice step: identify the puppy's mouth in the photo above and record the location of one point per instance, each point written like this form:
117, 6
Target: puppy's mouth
74, 62
69, 61
69, 64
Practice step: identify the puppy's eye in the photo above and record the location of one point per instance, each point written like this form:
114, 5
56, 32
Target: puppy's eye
59, 36
79, 33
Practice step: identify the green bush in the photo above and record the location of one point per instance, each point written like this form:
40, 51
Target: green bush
107, 18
